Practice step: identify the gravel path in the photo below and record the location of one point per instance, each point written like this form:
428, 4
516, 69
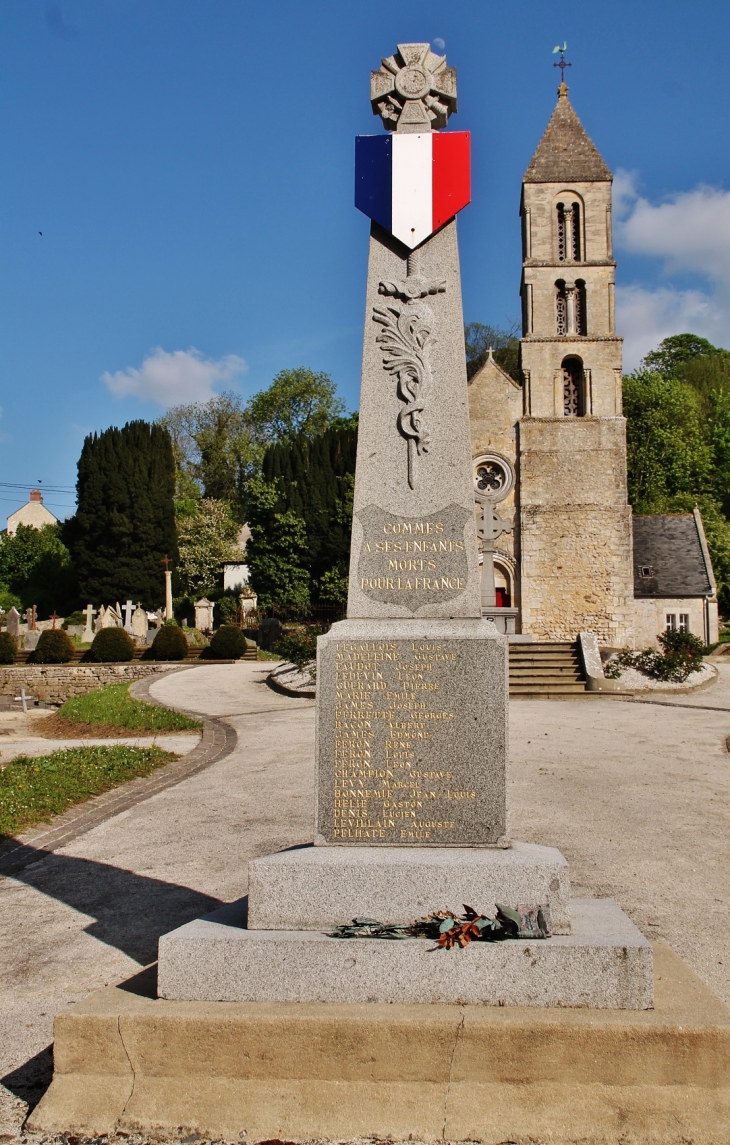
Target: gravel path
635, 794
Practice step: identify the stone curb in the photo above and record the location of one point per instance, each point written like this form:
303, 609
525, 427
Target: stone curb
218, 741
285, 690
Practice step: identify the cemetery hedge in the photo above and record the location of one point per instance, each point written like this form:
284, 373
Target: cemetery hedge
32, 790
54, 647
169, 644
114, 707
228, 643
8, 648
111, 646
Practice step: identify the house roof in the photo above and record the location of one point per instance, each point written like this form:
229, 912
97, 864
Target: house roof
669, 546
566, 154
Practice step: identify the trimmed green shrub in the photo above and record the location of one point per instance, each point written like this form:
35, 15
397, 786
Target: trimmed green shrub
168, 644
111, 646
8, 648
54, 647
228, 643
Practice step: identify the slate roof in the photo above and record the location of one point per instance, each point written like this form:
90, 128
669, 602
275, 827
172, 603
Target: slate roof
566, 154
670, 547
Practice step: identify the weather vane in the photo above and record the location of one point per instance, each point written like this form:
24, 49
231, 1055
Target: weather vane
561, 63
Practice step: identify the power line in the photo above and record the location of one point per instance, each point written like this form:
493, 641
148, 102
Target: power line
34, 484
56, 504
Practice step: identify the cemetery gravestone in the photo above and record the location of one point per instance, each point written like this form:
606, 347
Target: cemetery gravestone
138, 626
128, 609
88, 633
204, 614
12, 623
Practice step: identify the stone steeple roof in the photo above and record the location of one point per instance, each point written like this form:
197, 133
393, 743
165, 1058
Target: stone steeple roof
565, 153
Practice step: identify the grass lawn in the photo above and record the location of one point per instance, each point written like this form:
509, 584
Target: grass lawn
31, 790
114, 708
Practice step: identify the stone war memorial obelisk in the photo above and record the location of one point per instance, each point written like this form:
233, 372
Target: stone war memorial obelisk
412, 691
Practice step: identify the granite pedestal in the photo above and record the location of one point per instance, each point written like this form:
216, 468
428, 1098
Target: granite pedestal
313, 888
604, 963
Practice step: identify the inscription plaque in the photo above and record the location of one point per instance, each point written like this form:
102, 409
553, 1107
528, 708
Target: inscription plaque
413, 561
412, 754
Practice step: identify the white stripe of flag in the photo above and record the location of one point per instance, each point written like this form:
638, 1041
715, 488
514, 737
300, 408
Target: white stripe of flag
412, 220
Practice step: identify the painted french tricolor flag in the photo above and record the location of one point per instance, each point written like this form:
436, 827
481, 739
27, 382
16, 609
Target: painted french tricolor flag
412, 183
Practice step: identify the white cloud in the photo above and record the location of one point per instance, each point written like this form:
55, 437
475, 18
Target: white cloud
690, 234
644, 317
171, 379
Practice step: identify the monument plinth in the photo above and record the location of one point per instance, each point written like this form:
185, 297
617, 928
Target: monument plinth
411, 734
412, 689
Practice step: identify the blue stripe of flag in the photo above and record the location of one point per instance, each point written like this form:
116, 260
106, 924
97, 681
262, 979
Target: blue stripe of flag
374, 177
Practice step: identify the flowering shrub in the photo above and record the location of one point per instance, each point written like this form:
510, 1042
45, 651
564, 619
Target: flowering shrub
681, 654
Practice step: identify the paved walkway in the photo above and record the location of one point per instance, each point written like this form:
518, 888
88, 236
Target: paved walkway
634, 794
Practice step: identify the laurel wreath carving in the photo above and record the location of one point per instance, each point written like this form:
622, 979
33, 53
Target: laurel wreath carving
406, 340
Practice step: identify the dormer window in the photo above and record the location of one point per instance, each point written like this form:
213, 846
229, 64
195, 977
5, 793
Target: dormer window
646, 572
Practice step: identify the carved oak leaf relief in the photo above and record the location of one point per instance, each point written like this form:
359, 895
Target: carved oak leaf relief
406, 340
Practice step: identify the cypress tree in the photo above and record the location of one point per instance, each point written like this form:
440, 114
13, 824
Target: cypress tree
125, 522
313, 479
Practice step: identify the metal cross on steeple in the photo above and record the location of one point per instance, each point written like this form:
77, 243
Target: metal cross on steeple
562, 62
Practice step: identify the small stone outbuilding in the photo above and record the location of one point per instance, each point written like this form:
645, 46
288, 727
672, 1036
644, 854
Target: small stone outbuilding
674, 586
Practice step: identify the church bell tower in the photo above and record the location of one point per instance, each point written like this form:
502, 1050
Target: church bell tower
574, 519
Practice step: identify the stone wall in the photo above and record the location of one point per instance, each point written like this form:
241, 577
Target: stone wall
55, 683
575, 530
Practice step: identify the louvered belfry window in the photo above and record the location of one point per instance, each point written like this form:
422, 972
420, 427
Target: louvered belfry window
561, 309
575, 232
573, 387
569, 245
581, 318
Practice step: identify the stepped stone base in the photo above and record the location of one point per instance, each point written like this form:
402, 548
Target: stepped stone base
238, 1071
314, 888
605, 963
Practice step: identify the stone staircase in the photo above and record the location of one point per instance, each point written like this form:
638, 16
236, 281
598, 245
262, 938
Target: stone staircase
537, 669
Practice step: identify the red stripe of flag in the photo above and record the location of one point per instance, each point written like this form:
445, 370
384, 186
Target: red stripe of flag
451, 175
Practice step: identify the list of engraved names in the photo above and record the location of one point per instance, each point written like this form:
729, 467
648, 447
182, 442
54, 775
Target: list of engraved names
396, 776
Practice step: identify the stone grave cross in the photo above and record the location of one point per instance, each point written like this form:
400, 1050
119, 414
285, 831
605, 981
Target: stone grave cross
128, 609
88, 633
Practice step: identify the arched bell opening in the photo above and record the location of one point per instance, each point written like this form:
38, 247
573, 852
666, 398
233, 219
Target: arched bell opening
574, 403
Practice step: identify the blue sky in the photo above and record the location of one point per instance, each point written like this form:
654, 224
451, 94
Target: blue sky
189, 163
